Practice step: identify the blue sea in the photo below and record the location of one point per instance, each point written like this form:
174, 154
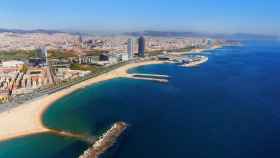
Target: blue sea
228, 107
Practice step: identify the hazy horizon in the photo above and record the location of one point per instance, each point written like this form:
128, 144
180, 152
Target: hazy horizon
228, 17
119, 32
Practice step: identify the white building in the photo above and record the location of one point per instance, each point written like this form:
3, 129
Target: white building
130, 48
12, 63
124, 57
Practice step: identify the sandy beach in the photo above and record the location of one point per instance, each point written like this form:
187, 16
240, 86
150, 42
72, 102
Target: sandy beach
200, 50
26, 119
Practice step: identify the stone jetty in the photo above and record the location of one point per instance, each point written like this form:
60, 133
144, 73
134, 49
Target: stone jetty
106, 141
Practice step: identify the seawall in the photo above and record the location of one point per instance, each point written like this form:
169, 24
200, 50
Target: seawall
106, 141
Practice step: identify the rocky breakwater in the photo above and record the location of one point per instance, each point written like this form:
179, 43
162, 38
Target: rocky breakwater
106, 141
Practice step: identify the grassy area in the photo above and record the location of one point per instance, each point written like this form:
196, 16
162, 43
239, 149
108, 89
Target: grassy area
24, 69
57, 54
17, 55
25, 55
91, 68
186, 49
158, 52
95, 52
52, 54
155, 52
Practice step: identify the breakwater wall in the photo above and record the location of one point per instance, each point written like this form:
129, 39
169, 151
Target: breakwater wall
149, 77
106, 141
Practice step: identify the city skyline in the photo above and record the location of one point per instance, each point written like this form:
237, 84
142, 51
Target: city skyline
199, 16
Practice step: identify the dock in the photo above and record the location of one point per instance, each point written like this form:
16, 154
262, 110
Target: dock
198, 60
149, 77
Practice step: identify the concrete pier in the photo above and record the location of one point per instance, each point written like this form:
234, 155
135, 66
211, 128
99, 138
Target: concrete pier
149, 77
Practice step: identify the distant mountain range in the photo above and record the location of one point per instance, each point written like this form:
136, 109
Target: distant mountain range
246, 36
165, 34
30, 31
237, 36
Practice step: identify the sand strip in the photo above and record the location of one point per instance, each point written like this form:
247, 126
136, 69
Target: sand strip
26, 119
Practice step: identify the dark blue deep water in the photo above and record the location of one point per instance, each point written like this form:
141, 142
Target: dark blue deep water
228, 107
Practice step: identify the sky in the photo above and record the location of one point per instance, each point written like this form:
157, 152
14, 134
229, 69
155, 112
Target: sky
216, 16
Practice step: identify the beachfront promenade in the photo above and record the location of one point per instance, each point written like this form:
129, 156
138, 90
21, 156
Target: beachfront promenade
26, 119
19, 100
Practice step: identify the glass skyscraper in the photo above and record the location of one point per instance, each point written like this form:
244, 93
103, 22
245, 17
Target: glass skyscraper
141, 46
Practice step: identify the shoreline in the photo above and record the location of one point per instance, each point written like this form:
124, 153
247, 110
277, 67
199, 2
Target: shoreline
200, 50
26, 119
197, 50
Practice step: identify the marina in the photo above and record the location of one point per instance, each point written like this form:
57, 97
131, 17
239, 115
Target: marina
194, 61
185, 61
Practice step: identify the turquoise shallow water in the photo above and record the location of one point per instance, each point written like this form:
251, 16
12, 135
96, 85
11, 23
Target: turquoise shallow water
42, 145
227, 107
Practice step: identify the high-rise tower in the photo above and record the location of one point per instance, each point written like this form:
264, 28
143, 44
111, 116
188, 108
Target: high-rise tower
141, 46
42, 53
130, 48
